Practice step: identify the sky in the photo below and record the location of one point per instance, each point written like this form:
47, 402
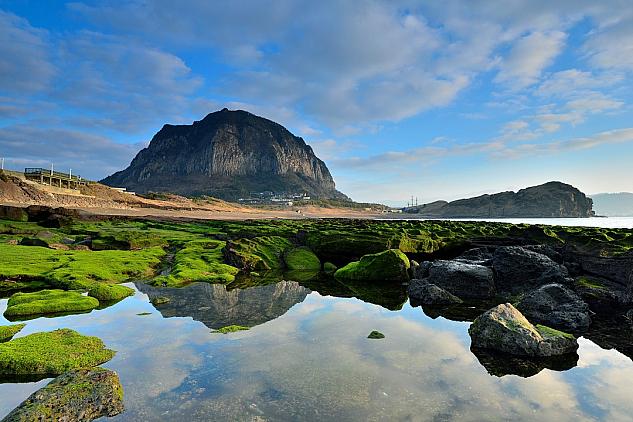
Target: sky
431, 99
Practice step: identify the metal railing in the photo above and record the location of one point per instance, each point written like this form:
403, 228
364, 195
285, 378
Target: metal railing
37, 172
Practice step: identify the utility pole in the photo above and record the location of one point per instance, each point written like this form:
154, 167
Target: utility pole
51, 169
2, 165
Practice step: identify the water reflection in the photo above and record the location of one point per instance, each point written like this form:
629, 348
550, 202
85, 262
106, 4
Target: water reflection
312, 361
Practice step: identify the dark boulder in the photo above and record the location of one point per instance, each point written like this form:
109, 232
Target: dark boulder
556, 306
480, 256
462, 279
518, 269
421, 270
505, 329
424, 293
618, 269
600, 294
79, 395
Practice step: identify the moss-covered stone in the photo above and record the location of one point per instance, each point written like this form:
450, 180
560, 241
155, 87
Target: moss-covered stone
376, 335
48, 302
8, 331
231, 329
109, 292
258, 253
78, 395
390, 265
329, 268
302, 258
52, 353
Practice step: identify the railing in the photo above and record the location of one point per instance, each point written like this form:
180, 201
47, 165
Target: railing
29, 171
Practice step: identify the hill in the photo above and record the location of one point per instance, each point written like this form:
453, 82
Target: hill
552, 199
228, 155
613, 204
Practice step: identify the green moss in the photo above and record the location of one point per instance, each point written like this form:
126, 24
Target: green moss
49, 302
590, 283
160, 300
52, 353
388, 265
109, 293
8, 331
376, 335
231, 329
302, 258
550, 332
258, 253
329, 268
199, 260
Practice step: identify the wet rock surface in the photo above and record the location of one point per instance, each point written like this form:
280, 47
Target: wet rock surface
79, 395
519, 269
556, 306
462, 279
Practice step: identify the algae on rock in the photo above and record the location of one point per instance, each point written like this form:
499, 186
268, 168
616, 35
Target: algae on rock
8, 331
48, 302
390, 265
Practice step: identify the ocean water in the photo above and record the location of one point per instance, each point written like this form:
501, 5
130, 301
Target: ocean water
307, 357
605, 222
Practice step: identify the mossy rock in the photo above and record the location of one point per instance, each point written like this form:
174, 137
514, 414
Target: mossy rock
302, 258
231, 329
49, 302
390, 265
376, 335
78, 395
8, 331
258, 253
109, 292
52, 353
329, 268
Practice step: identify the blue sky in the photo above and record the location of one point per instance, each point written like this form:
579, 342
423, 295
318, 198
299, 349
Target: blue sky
439, 100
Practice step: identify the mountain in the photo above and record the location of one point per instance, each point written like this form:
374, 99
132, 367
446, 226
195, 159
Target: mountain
552, 199
228, 154
613, 204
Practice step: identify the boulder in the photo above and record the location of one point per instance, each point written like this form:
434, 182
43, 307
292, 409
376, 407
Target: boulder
465, 280
424, 293
421, 270
518, 269
600, 294
79, 395
556, 306
390, 265
481, 256
505, 329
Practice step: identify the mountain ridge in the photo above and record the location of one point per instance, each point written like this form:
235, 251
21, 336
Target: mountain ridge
228, 154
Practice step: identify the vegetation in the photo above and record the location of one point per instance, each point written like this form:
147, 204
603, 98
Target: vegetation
52, 353
258, 253
48, 302
8, 331
548, 332
160, 300
231, 329
302, 258
391, 264
109, 293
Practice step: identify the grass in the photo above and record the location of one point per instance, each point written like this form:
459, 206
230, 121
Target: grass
391, 264
52, 353
231, 329
8, 331
48, 302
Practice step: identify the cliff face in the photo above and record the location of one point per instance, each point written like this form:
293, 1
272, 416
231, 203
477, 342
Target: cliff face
228, 154
552, 199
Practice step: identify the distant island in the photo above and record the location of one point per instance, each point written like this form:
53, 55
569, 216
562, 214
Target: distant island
230, 154
613, 204
552, 199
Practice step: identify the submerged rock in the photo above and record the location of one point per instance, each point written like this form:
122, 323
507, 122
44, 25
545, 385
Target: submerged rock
424, 293
79, 395
376, 335
390, 265
556, 306
505, 329
463, 279
519, 269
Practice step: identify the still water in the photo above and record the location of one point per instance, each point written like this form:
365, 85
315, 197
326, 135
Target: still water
307, 357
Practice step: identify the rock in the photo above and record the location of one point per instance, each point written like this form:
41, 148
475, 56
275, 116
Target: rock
160, 300
618, 269
424, 293
546, 250
302, 258
504, 329
8, 212
329, 268
556, 306
480, 256
518, 269
33, 241
390, 265
601, 295
225, 154
79, 395
421, 271
376, 335
467, 281
48, 302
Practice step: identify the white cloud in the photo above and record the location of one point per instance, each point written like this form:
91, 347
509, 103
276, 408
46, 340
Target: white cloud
528, 57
